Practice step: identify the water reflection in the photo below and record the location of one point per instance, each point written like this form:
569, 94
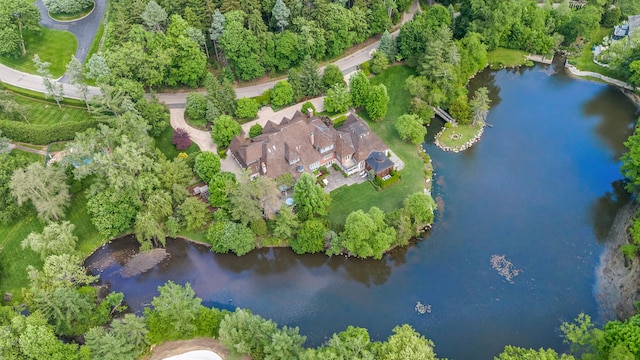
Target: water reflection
613, 126
605, 208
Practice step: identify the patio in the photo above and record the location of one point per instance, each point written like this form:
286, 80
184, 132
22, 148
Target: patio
336, 180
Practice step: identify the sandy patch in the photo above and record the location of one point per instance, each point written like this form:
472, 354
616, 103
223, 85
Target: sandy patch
173, 348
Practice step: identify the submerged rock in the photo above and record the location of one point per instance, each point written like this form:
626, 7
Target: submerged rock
142, 262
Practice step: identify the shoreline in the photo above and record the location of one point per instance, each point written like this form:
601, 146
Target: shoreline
618, 278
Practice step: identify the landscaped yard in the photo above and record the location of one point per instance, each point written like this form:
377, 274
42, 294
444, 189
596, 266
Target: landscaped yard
164, 144
584, 60
501, 57
363, 196
54, 46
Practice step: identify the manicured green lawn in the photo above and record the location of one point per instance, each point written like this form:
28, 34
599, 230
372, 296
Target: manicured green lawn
501, 57
584, 60
363, 196
459, 135
45, 113
164, 144
54, 46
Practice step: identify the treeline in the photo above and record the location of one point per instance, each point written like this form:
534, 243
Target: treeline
169, 43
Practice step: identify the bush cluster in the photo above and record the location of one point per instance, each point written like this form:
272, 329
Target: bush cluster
43, 134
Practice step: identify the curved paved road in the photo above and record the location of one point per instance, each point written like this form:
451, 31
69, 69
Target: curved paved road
84, 29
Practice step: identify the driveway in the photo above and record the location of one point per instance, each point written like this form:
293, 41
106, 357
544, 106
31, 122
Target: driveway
84, 29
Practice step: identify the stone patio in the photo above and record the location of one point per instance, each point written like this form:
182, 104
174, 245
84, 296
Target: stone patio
336, 180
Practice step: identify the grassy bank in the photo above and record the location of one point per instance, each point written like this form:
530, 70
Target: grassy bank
455, 137
45, 113
363, 196
54, 46
501, 57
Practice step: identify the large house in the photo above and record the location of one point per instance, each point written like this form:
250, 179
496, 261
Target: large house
627, 28
307, 142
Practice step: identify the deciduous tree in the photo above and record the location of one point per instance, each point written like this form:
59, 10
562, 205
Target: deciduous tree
76, 77
207, 165
360, 88
377, 102
338, 99
15, 17
224, 129
410, 128
226, 236
44, 186
310, 237
55, 239
281, 94
181, 139
331, 76
194, 212
53, 89
247, 109
309, 198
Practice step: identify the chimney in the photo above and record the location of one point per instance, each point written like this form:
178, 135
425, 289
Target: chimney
264, 168
312, 138
310, 112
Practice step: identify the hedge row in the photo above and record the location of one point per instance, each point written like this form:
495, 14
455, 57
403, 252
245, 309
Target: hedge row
43, 134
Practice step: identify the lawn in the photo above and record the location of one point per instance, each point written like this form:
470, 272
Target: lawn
164, 144
14, 260
501, 57
584, 59
54, 46
363, 196
45, 113
457, 136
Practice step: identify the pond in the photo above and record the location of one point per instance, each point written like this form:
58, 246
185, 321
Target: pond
541, 189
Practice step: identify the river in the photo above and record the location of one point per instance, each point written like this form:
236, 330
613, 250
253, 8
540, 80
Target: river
539, 188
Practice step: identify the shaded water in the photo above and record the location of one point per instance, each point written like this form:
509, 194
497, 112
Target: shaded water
538, 188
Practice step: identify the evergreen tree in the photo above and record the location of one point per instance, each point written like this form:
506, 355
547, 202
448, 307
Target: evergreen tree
281, 13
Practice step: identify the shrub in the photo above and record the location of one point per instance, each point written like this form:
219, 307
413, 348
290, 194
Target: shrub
44, 134
255, 130
181, 139
366, 68
282, 94
306, 106
264, 99
67, 6
337, 122
196, 106
629, 250
247, 109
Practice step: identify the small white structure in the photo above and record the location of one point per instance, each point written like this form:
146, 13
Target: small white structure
196, 355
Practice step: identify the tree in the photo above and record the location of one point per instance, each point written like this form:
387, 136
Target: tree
331, 76
246, 333
124, 339
11, 109
67, 6
154, 16
338, 99
419, 207
76, 77
281, 94
306, 107
226, 236
52, 88
4, 144
247, 108
174, 312
224, 129
220, 186
181, 139
113, 213
310, 238
377, 102
66, 308
281, 13
388, 45
310, 82
97, 68
15, 17
516, 353
353, 343
480, 105
309, 198
241, 46
207, 165
285, 344
460, 110
360, 88
406, 343
367, 234
410, 128
255, 130
216, 30
196, 107
44, 186
55, 239
286, 224
194, 212
379, 62
34, 339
